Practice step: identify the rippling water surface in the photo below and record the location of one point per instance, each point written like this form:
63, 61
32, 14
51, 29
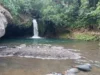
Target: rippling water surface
89, 50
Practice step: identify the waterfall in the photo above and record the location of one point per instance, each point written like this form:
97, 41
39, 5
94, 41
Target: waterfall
35, 29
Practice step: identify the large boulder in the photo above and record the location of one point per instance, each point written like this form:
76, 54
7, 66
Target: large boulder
5, 17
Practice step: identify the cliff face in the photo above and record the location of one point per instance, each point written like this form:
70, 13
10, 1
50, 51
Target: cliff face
5, 17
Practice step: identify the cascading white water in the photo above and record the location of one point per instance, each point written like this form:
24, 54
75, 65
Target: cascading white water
35, 29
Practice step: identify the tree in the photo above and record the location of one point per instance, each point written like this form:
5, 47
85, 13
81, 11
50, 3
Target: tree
62, 13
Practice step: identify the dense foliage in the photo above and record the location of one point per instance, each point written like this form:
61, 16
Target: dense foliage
70, 14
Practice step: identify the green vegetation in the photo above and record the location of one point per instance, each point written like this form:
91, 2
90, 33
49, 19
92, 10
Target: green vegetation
63, 14
87, 37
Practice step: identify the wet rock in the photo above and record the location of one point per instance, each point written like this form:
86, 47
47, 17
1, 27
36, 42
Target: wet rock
54, 73
72, 71
3, 47
41, 51
84, 67
21, 46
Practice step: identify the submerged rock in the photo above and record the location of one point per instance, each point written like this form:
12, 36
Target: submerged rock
21, 46
72, 71
40, 51
55, 73
2, 47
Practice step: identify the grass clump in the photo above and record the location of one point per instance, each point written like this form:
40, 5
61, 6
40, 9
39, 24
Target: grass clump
86, 37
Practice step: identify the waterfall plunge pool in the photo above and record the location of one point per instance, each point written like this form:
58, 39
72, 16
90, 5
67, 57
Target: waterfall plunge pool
89, 51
